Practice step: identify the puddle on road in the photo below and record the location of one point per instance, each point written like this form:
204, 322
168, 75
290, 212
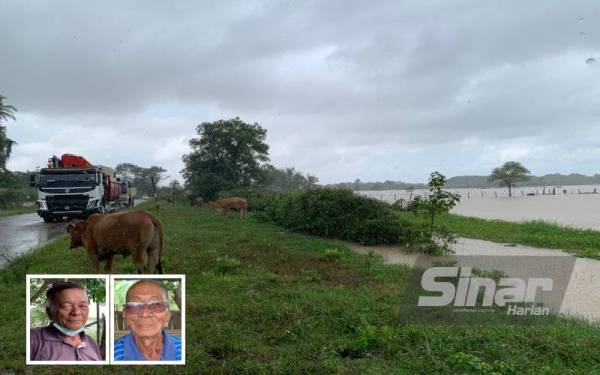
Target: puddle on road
581, 298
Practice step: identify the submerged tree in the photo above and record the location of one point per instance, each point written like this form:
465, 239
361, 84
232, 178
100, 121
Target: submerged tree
437, 202
510, 173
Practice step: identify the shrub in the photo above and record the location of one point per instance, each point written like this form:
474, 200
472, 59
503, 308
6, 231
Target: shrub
13, 197
258, 200
336, 213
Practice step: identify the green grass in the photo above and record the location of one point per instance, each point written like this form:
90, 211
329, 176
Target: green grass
17, 211
261, 300
580, 242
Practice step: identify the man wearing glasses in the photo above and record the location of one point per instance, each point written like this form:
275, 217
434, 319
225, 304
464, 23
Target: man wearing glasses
67, 306
147, 313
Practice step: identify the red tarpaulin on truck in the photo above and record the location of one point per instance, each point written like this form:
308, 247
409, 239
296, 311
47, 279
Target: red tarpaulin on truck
74, 161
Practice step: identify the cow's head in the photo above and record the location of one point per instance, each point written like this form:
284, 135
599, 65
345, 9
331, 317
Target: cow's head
75, 228
211, 204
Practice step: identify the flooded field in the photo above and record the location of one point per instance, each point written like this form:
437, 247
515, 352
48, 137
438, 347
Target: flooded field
581, 296
575, 206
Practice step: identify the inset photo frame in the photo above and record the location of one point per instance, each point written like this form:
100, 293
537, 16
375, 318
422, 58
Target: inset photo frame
148, 319
66, 319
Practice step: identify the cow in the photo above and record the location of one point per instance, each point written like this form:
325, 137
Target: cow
123, 233
170, 198
198, 202
232, 203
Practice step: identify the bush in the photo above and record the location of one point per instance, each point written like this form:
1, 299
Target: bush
335, 213
11, 198
258, 200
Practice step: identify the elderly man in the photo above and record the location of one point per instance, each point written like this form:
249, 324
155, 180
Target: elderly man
67, 306
147, 313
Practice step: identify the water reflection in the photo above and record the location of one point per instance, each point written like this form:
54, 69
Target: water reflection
19, 234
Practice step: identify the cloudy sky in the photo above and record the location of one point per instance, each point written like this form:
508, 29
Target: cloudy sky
375, 90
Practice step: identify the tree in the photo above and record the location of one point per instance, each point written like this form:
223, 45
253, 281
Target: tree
226, 155
284, 180
6, 112
509, 173
438, 201
140, 177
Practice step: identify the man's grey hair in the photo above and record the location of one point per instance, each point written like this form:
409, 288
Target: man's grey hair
55, 288
149, 281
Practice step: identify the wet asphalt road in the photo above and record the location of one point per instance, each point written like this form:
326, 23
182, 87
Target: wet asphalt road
21, 233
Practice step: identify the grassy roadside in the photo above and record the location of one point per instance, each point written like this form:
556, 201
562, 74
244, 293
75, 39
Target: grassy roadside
260, 300
583, 243
17, 211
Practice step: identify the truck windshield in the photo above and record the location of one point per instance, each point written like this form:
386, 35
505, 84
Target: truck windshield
63, 180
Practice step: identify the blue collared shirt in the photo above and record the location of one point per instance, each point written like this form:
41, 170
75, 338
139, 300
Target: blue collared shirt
126, 350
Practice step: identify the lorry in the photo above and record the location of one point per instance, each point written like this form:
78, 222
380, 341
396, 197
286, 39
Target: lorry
71, 187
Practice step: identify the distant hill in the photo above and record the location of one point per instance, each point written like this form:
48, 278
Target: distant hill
554, 179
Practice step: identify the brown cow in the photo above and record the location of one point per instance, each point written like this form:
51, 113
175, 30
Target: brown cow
232, 203
126, 233
170, 198
198, 202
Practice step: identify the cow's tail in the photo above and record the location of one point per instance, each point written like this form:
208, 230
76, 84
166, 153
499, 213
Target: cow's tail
159, 227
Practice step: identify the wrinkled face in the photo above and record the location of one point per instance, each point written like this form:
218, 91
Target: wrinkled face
75, 229
70, 308
149, 312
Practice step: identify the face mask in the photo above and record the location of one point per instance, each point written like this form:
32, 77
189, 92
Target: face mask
66, 331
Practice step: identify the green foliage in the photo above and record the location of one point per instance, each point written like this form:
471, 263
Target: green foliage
285, 180
341, 214
15, 190
258, 200
226, 155
6, 112
139, 177
13, 198
437, 202
580, 242
358, 185
510, 173
268, 316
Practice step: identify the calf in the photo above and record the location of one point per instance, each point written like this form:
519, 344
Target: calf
126, 233
233, 203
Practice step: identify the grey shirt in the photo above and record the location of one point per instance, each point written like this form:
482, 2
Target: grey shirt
49, 344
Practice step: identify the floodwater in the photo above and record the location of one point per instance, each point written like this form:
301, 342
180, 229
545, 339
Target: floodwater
581, 296
575, 206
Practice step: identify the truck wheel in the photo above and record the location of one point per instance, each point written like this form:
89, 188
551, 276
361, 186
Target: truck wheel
48, 219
